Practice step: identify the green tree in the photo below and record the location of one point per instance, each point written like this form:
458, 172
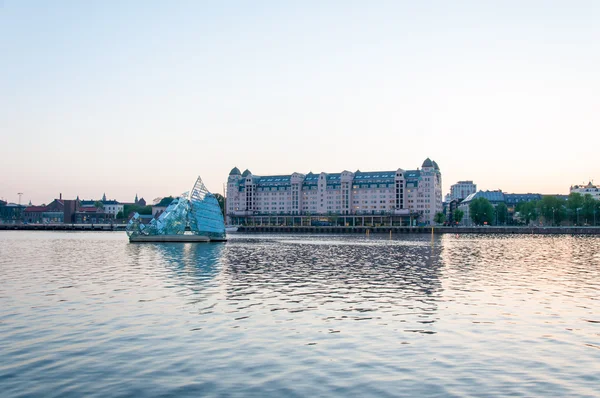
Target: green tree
439, 218
501, 213
98, 205
221, 200
481, 211
458, 215
575, 204
119, 215
527, 211
552, 210
587, 209
164, 202
128, 210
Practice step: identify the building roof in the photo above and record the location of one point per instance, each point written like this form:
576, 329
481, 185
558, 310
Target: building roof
89, 209
271, 180
435, 165
235, 172
514, 198
386, 176
246, 173
492, 196
374, 176
36, 209
427, 163
412, 174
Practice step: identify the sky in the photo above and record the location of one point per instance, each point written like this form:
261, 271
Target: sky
126, 97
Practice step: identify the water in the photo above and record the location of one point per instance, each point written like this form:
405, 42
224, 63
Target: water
88, 314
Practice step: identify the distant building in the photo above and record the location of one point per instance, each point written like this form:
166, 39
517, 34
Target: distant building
111, 207
590, 188
513, 199
401, 193
53, 213
92, 215
462, 189
449, 209
11, 213
157, 210
494, 197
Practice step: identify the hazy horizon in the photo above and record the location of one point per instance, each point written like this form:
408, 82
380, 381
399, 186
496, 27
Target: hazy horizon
142, 97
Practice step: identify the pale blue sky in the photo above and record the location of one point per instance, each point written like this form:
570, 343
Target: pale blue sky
142, 96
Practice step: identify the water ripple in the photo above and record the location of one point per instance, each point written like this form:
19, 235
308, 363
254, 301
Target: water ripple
280, 315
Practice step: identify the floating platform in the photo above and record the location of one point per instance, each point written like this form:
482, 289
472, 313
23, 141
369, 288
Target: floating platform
173, 238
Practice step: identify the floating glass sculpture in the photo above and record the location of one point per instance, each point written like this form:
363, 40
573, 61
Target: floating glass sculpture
199, 210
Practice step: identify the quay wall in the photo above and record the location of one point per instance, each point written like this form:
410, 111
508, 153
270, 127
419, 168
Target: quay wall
422, 230
332, 229
63, 227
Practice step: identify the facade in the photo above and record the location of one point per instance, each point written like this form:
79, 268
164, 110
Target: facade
590, 188
11, 213
91, 215
53, 213
158, 210
111, 207
462, 189
494, 197
449, 210
511, 200
405, 193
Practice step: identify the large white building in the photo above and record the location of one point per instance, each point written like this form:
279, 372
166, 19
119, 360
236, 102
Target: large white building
394, 193
462, 189
590, 188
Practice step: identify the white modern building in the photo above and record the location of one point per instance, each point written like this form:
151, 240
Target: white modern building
462, 189
590, 188
405, 193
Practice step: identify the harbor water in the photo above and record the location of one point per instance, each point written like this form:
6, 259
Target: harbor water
89, 314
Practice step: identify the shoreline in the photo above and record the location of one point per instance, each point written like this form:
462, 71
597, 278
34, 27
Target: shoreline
508, 230
424, 230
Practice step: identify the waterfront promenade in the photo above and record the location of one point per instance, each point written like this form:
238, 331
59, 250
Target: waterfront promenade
537, 230
422, 230
63, 227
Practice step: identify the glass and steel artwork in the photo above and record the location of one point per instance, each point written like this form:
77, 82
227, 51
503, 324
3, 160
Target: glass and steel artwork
199, 210
206, 217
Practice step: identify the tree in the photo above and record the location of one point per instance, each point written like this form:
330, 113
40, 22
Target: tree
119, 215
221, 199
552, 209
439, 218
481, 211
98, 205
501, 213
528, 211
587, 209
574, 204
164, 202
129, 209
457, 215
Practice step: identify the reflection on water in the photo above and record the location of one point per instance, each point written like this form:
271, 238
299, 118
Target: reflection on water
280, 315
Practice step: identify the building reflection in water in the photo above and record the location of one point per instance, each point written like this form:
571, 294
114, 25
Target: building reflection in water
339, 277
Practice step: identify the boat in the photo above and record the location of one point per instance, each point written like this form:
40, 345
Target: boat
231, 228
